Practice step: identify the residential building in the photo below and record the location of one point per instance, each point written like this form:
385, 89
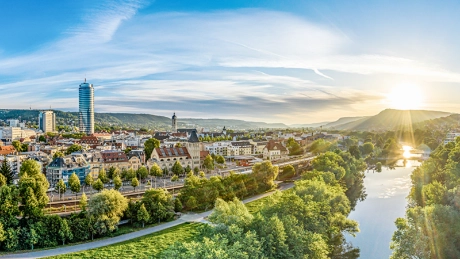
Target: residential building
64, 167
451, 136
239, 148
218, 148
86, 108
274, 151
166, 157
47, 121
13, 123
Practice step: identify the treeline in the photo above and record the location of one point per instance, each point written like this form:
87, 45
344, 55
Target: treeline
201, 193
308, 221
24, 225
431, 227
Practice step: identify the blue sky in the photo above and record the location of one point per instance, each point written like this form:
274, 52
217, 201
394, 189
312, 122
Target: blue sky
275, 61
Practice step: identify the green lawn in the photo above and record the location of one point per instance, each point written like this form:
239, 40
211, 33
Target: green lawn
152, 245
149, 246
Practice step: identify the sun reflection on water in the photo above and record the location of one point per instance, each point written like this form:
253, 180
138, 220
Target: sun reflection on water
407, 150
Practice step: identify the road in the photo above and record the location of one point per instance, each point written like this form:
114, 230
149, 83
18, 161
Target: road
190, 217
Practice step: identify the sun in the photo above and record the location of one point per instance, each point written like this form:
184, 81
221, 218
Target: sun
405, 96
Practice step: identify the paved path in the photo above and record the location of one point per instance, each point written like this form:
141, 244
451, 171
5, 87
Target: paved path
190, 217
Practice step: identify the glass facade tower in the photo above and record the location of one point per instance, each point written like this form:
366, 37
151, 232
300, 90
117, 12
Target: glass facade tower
86, 108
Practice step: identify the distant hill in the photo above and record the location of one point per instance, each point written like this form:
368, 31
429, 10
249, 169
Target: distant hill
230, 123
391, 119
137, 121
341, 121
311, 125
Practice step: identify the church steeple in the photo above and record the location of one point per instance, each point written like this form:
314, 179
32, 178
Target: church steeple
174, 123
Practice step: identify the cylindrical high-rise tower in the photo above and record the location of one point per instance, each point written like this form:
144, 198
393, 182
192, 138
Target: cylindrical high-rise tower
86, 108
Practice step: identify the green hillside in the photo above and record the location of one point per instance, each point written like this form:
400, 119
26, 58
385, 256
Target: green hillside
136, 121
391, 119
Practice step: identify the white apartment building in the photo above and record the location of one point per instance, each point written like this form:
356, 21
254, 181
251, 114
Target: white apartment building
230, 148
451, 136
47, 121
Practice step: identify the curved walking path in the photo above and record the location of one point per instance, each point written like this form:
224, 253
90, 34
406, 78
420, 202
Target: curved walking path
190, 217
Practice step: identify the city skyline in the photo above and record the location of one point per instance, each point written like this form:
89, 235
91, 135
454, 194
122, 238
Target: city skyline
290, 62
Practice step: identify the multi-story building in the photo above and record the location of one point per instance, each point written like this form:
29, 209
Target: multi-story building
451, 136
166, 157
239, 148
187, 155
86, 108
274, 151
11, 133
218, 148
47, 121
64, 167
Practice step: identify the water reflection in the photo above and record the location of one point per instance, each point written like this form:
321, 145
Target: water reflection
385, 202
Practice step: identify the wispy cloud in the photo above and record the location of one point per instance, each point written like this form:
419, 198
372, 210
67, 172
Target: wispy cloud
242, 63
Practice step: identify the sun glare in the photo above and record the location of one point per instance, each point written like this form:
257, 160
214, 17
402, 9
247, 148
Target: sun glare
407, 150
405, 97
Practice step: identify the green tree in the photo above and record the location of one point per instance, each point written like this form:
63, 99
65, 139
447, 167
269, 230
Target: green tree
177, 205
149, 146
196, 170
293, 147
64, 231
143, 215
287, 173
61, 187
2, 180
188, 169
58, 154
208, 163
155, 171
142, 172
320, 146
368, 148
89, 180
9, 209
265, 174
174, 178
17, 145
32, 188
134, 183
106, 208
42, 138
103, 176
98, 185
117, 183
177, 168
74, 184
83, 202
6, 171
231, 213
159, 204
354, 151
220, 160
73, 148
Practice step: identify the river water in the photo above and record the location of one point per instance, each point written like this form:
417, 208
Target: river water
386, 201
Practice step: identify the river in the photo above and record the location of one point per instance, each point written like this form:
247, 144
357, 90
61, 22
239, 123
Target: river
386, 201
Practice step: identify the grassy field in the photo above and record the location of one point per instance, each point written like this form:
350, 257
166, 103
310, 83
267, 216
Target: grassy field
152, 245
149, 246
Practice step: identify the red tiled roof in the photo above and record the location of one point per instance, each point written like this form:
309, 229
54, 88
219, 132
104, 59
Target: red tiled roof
6, 150
172, 152
272, 145
114, 157
203, 154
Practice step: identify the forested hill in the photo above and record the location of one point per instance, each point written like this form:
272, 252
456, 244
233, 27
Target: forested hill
137, 121
390, 119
